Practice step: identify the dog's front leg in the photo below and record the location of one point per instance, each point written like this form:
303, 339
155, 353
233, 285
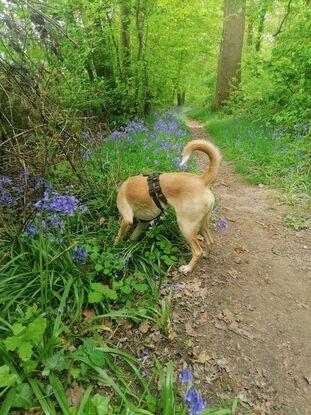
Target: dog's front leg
124, 227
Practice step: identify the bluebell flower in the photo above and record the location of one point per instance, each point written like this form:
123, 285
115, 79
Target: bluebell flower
185, 376
5, 180
86, 156
86, 134
79, 254
64, 204
299, 153
144, 356
31, 231
194, 401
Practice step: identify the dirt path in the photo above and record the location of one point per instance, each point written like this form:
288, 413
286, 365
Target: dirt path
243, 319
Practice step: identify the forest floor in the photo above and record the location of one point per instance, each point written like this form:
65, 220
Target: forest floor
243, 318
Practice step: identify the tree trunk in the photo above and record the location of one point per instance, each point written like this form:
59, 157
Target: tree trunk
250, 24
261, 27
229, 63
181, 98
125, 14
141, 77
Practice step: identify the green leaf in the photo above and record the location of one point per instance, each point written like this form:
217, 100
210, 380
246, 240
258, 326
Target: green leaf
126, 289
95, 297
96, 286
109, 293
44, 402
25, 351
12, 343
93, 255
35, 330
23, 396
101, 404
141, 287
57, 362
30, 312
6, 378
60, 394
99, 267
17, 328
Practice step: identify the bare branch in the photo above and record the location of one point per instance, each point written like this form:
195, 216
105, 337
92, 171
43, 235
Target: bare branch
283, 20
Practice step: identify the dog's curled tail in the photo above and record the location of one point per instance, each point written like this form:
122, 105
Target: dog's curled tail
212, 152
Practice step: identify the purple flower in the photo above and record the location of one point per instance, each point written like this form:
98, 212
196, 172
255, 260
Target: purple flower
194, 401
31, 231
299, 153
144, 356
5, 180
86, 134
185, 376
54, 202
87, 154
222, 224
79, 254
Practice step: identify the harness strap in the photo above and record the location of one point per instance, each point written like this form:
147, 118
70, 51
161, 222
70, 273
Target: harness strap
155, 190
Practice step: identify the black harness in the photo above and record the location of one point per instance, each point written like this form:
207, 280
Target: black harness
156, 192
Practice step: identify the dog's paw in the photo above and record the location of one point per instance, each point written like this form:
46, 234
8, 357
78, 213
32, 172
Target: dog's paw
185, 269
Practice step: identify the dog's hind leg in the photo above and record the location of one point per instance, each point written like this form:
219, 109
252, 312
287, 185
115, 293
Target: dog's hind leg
190, 231
127, 214
138, 230
124, 227
209, 240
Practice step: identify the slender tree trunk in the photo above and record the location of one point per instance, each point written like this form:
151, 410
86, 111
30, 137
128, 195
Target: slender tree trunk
229, 63
261, 27
181, 98
250, 24
140, 67
125, 14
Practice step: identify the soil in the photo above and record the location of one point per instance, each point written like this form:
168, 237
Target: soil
242, 320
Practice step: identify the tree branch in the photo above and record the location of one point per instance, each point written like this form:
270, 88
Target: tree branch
283, 20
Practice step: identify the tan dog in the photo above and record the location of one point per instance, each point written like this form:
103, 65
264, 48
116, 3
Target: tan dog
188, 193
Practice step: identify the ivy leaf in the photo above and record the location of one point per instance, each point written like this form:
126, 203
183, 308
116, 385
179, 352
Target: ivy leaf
25, 351
6, 378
